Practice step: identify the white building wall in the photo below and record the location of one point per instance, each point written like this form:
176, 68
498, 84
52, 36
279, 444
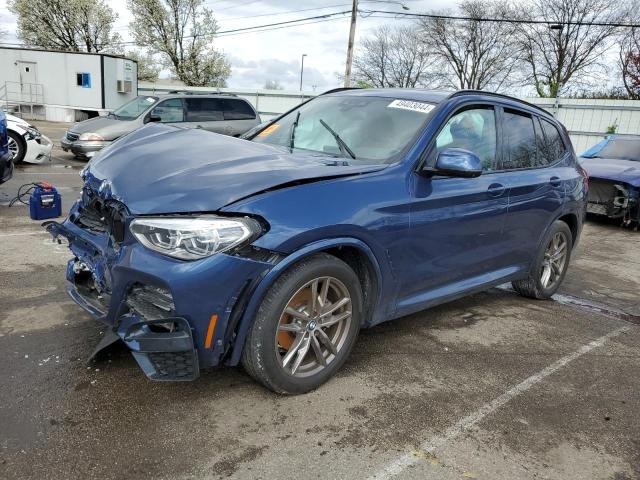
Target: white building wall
56, 72
119, 69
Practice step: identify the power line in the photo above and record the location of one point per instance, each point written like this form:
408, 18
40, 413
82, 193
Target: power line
398, 15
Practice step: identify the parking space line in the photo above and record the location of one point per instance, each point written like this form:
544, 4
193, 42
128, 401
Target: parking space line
19, 234
406, 460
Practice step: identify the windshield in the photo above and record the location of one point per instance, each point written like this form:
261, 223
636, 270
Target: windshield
133, 109
371, 129
621, 148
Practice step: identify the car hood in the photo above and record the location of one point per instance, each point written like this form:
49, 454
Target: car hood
109, 128
164, 169
627, 171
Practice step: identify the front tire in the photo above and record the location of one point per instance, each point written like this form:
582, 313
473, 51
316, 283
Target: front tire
550, 265
17, 147
305, 326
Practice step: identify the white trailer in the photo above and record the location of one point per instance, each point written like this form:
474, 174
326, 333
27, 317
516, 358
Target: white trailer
64, 86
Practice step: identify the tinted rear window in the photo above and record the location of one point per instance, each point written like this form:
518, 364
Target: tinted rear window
627, 149
553, 148
238, 110
520, 139
204, 110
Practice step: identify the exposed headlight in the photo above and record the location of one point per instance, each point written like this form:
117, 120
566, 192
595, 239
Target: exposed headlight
32, 133
194, 237
91, 137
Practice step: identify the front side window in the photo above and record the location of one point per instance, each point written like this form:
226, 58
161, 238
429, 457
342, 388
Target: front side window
134, 108
473, 129
374, 129
520, 141
169, 111
553, 148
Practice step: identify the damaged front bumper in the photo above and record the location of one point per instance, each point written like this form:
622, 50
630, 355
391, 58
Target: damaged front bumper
175, 316
616, 200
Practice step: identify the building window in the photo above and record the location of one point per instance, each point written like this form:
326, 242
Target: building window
83, 80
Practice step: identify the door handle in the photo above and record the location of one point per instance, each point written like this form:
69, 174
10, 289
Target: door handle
555, 182
495, 189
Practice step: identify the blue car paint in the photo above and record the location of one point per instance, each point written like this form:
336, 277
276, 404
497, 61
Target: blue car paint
6, 162
615, 169
428, 239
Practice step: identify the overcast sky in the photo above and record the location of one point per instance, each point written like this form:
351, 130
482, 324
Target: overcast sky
275, 55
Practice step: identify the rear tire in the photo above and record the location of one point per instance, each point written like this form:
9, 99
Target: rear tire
17, 146
550, 265
293, 353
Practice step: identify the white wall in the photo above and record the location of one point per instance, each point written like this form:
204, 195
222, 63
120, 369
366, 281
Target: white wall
114, 71
56, 71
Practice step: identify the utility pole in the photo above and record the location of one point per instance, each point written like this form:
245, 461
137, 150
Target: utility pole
302, 69
352, 34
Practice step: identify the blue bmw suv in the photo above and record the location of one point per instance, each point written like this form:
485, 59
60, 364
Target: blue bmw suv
356, 207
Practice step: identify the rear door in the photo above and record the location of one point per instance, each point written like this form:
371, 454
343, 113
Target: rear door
205, 113
534, 179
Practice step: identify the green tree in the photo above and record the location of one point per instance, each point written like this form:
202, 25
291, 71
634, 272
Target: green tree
75, 25
148, 67
181, 32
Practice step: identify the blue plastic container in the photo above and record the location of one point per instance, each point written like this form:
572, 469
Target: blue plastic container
45, 202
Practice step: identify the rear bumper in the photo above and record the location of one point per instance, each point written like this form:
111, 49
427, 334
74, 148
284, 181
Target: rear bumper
82, 148
160, 307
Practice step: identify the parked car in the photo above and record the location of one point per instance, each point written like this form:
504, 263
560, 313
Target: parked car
26, 143
6, 163
613, 166
220, 113
357, 207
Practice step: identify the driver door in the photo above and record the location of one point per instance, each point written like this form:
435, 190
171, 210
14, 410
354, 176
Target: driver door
456, 240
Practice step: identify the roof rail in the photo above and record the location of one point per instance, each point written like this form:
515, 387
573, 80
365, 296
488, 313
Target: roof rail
499, 95
190, 92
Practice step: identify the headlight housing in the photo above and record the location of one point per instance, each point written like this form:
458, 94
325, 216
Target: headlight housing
193, 238
91, 137
32, 133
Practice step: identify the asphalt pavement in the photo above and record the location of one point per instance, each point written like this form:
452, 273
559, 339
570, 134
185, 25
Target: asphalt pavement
494, 386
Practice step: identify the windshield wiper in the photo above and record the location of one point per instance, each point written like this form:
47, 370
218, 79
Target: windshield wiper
341, 145
292, 138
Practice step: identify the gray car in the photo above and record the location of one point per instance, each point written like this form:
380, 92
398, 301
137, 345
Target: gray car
221, 113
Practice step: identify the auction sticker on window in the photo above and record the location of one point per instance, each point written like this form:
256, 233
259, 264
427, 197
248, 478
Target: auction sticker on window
269, 130
412, 105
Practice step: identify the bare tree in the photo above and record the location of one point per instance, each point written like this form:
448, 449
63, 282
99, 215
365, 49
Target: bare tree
76, 25
630, 63
571, 51
392, 57
148, 67
182, 33
472, 53
272, 85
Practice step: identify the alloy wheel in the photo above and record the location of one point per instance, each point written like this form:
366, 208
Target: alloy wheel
554, 260
313, 327
14, 148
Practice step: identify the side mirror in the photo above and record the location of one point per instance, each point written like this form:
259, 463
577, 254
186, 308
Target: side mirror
152, 118
457, 162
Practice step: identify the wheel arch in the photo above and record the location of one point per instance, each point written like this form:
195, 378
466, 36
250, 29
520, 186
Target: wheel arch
571, 219
354, 252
